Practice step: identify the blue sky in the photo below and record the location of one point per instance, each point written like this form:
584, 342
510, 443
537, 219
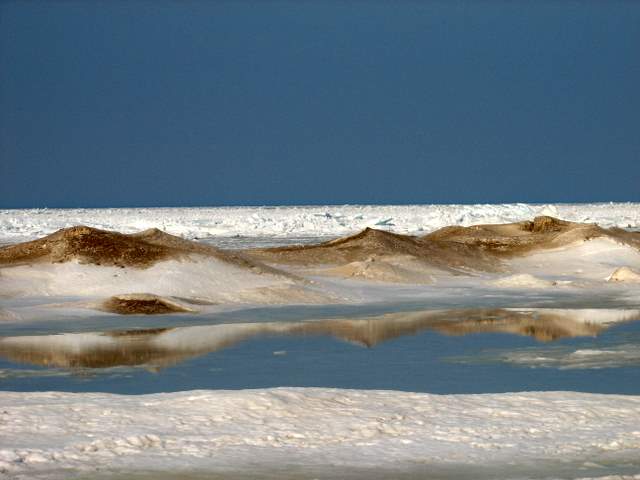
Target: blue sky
247, 103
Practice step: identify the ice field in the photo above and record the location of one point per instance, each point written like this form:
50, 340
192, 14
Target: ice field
306, 222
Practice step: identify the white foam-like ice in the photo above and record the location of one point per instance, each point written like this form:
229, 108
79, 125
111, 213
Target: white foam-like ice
302, 221
44, 432
564, 358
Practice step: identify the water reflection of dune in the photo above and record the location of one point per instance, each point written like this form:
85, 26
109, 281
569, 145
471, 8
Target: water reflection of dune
544, 326
168, 346
154, 347
88, 350
535, 323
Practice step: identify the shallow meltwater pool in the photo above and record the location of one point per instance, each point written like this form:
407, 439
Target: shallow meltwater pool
483, 350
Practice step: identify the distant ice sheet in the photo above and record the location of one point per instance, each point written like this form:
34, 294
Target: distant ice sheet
41, 433
300, 223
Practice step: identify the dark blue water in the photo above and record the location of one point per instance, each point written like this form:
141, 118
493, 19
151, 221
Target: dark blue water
423, 361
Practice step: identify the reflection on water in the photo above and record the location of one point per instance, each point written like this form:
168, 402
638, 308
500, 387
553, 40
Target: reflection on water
161, 347
407, 351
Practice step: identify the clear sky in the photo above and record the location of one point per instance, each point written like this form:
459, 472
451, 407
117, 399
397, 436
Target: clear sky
125, 103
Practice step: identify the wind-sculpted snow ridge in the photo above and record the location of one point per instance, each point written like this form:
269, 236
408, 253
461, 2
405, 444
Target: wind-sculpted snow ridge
302, 221
302, 428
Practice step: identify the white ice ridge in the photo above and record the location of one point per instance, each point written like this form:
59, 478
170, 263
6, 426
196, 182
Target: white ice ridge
41, 433
303, 221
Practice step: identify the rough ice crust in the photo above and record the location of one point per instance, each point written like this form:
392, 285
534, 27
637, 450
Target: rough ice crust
44, 432
302, 221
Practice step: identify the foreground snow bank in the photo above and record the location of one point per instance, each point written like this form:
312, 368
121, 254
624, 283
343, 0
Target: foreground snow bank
45, 433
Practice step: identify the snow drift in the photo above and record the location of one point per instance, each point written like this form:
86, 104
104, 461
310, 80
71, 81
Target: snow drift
543, 254
42, 434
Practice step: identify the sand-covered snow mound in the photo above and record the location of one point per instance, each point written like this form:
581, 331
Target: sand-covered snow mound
624, 274
84, 262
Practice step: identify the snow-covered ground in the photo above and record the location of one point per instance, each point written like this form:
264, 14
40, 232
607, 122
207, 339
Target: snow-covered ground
41, 434
200, 278
312, 430
577, 270
573, 276
302, 221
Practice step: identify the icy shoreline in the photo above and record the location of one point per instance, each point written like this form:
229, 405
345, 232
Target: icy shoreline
302, 222
234, 434
44, 433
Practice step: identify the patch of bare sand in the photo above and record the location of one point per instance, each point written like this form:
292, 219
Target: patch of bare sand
150, 304
625, 274
143, 303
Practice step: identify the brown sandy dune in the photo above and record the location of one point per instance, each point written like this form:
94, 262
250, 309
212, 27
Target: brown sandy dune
101, 247
88, 245
370, 254
143, 303
154, 348
371, 243
457, 249
513, 239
